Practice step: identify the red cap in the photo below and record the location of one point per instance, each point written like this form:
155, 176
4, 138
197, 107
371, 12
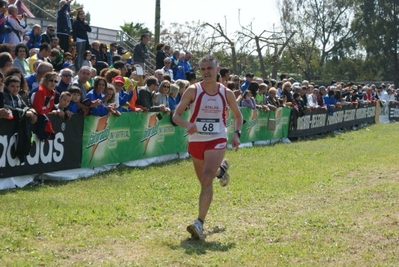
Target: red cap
119, 79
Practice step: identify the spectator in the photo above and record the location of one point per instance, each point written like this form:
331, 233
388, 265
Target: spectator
4, 29
65, 80
247, 100
44, 52
178, 71
183, 85
191, 77
80, 28
330, 100
160, 56
322, 94
236, 81
43, 99
86, 57
75, 99
286, 91
141, 52
111, 52
272, 102
80, 81
122, 97
161, 98
34, 79
61, 109
174, 59
6, 62
16, 25
109, 95
111, 74
248, 79
55, 43
97, 93
55, 58
24, 93
187, 66
95, 48
159, 75
93, 73
49, 34
144, 100
102, 55
225, 74
34, 37
64, 25
12, 95
18, 110
21, 51
172, 99
166, 68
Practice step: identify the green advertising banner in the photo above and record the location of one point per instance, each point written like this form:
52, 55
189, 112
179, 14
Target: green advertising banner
135, 136
260, 125
132, 136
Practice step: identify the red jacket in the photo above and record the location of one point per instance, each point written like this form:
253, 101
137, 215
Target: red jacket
43, 100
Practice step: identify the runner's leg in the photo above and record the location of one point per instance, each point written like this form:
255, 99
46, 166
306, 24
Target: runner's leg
211, 164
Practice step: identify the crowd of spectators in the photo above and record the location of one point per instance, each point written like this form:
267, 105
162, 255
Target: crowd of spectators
62, 73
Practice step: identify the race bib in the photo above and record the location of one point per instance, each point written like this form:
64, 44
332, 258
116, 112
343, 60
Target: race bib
207, 126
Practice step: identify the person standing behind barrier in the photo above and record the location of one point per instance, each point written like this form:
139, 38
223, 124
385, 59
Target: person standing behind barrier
4, 29
16, 24
80, 28
207, 134
64, 24
141, 51
179, 71
160, 56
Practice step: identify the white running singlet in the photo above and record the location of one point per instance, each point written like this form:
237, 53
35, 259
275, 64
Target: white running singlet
208, 112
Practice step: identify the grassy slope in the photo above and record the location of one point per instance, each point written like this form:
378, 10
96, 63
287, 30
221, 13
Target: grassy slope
325, 202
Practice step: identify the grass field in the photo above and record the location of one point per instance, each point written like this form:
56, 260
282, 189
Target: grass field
331, 201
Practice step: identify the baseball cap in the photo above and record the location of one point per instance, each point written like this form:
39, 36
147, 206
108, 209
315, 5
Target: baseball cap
249, 75
119, 79
67, 64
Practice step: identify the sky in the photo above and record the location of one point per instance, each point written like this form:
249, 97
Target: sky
112, 14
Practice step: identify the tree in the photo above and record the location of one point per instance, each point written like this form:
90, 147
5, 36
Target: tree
322, 26
376, 25
222, 40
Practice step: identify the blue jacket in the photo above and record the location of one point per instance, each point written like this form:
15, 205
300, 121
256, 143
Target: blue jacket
179, 73
4, 30
34, 40
123, 99
100, 110
187, 66
64, 24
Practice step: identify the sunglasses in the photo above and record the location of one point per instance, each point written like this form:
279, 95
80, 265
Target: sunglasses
53, 81
165, 86
67, 75
50, 30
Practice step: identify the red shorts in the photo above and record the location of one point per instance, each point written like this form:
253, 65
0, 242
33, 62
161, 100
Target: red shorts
197, 149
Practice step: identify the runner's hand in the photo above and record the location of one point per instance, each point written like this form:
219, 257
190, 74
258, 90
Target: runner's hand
235, 142
191, 128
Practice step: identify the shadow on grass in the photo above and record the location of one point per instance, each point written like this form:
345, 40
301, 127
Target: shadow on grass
200, 247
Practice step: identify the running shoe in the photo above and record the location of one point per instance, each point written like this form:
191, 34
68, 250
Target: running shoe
196, 230
224, 180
